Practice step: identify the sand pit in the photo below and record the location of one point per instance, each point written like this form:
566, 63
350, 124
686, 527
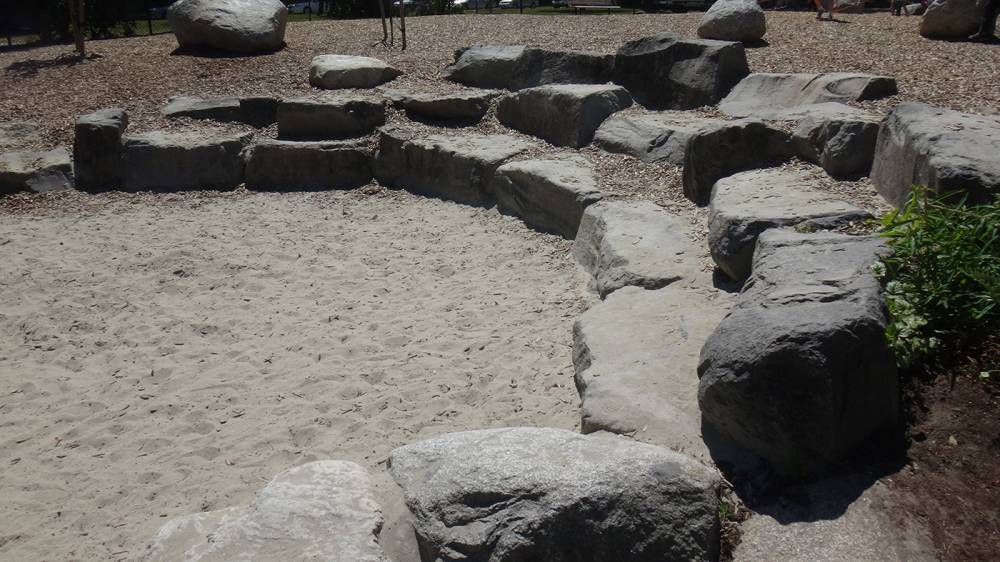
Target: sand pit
164, 355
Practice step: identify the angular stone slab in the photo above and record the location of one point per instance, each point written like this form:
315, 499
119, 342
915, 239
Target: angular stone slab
226, 109
548, 195
800, 372
513, 67
333, 116
18, 134
786, 96
235, 26
334, 72
843, 145
563, 115
622, 243
650, 137
97, 149
636, 361
275, 165
746, 204
517, 494
320, 510
469, 105
167, 161
454, 167
665, 71
37, 171
942, 149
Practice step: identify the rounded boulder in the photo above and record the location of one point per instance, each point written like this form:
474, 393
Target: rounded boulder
733, 20
237, 26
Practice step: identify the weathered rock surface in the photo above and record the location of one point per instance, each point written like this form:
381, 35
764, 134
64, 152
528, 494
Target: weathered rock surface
563, 115
952, 19
322, 510
18, 134
650, 137
800, 371
636, 360
167, 161
733, 20
942, 149
288, 165
788, 96
226, 109
665, 71
457, 168
333, 72
239, 26
37, 171
548, 195
844, 146
97, 149
332, 116
633, 243
514, 67
549, 494
469, 105
746, 204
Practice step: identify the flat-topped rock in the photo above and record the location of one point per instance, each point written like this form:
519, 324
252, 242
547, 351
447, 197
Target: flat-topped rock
665, 71
97, 149
733, 20
332, 116
276, 165
334, 72
652, 137
513, 67
239, 26
787, 96
517, 494
469, 105
746, 204
177, 161
226, 109
843, 145
320, 510
563, 115
623, 243
943, 149
548, 195
456, 167
18, 134
36, 171
952, 19
636, 361
800, 372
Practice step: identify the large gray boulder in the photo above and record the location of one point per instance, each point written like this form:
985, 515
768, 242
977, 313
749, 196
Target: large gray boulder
746, 204
178, 161
35, 171
332, 116
637, 243
733, 20
636, 361
513, 67
843, 145
942, 149
800, 371
238, 26
323, 510
466, 106
334, 72
456, 167
548, 195
790, 96
287, 165
952, 19
518, 494
651, 137
18, 134
665, 71
97, 149
563, 115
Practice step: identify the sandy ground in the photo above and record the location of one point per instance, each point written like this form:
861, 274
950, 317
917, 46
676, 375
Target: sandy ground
161, 357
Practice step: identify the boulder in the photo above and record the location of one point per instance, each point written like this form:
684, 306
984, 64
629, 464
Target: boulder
622, 243
513, 67
665, 71
800, 372
334, 72
467, 106
844, 146
746, 204
942, 149
225, 109
287, 165
36, 171
952, 19
169, 161
789, 96
516, 494
454, 167
329, 117
564, 114
733, 20
320, 510
636, 361
18, 134
97, 149
238, 26
548, 195
650, 137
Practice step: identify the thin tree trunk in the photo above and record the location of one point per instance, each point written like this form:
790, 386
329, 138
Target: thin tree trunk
402, 23
76, 8
381, 12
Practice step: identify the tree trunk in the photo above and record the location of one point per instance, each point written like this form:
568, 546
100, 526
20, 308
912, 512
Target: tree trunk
402, 24
76, 8
381, 13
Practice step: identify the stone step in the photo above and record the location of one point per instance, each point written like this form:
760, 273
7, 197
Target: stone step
844, 145
564, 114
177, 161
467, 106
334, 72
35, 171
97, 149
332, 116
786, 96
294, 166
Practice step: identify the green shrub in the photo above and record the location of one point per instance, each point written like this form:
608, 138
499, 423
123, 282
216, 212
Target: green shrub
942, 280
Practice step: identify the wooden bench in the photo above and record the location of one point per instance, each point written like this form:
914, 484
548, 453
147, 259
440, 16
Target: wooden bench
608, 5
